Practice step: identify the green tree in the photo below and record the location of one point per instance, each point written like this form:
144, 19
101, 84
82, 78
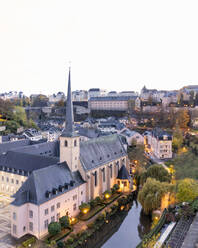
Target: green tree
187, 190
177, 139
151, 194
54, 228
64, 221
157, 172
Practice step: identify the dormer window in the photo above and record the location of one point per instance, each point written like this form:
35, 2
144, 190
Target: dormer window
66, 143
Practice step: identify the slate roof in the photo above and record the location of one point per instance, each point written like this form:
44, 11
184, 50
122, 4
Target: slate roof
23, 161
88, 132
6, 146
43, 180
112, 98
159, 133
96, 152
47, 148
69, 120
123, 173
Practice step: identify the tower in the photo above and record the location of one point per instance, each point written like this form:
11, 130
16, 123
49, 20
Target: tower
69, 140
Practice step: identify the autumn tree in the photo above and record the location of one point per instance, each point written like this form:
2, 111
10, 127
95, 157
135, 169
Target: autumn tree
187, 190
182, 118
177, 139
157, 172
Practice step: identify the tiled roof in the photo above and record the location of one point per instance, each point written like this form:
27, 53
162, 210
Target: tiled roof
26, 162
113, 98
45, 180
123, 173
96, 152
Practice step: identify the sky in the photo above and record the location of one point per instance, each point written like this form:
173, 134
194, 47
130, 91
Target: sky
112, 44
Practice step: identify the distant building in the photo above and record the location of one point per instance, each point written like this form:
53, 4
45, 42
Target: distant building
33, 134
96, 92
115, 103
57, 97
131, 135
80, 95
159, 143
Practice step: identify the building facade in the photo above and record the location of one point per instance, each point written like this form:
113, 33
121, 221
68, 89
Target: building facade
81, 172
159, 143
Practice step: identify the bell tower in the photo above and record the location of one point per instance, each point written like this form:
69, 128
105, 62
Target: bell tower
69, 140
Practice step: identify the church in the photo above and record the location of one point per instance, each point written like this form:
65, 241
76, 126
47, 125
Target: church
57, 182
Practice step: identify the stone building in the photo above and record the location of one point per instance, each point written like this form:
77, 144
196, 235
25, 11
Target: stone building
80, 172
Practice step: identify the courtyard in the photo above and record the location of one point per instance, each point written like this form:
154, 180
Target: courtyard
6, 241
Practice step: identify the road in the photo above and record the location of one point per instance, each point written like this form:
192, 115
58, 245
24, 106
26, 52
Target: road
157, 161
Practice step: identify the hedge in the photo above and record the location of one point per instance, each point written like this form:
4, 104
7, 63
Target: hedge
156, 229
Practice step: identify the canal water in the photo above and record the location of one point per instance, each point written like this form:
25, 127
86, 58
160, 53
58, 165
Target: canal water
131, 231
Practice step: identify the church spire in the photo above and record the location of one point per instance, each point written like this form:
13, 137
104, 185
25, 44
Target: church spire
69, 120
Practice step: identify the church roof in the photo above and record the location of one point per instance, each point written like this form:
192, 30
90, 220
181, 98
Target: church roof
47, 183
123, 173
102, 150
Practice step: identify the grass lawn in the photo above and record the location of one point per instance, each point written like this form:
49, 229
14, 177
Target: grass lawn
91, 213
64, 232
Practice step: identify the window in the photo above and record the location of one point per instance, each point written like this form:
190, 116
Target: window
2, 178
58, 216
96, 181
66, 143
14, 229
52, 208
46, 211
24, 229
17, 181
46, 224
111, 171
12, 180
30, 214
103, 174
14, 216
75, 142
7, 179
31, 226
81, 192
74, 197
52, 218
58, 205
74, 207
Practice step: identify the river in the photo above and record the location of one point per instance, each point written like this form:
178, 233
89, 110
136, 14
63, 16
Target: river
130, 232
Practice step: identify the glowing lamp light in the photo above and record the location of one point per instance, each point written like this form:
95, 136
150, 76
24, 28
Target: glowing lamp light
122, 208
107, 196
85, 211
133, 170
72, 220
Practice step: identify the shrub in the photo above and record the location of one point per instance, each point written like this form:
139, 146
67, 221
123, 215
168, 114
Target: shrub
84, 207
54, 228
29, 242
115, 188
60, 244
70, 240
64, 221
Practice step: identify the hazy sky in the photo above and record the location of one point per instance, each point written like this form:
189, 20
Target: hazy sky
116, 45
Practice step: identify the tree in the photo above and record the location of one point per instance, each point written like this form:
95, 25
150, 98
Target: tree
64, 221
182, 118
181, 99
187, 190
40, 101
191, 99
54, 228
151, 194
157, 172
177, 139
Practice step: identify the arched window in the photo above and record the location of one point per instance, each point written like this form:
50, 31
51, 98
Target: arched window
75, 143
65, 142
